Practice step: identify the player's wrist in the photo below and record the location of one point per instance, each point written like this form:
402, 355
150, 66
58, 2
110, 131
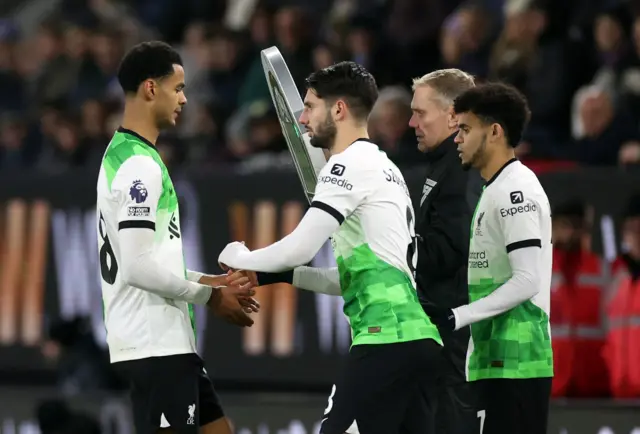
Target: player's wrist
271, 278
215, 297
213, 280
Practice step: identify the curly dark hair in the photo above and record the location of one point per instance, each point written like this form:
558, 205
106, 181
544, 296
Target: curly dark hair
497, 103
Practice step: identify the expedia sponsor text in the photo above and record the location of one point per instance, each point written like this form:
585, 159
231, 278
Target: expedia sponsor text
530, 207
340, 182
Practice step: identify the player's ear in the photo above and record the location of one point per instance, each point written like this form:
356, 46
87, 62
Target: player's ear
339, 110
452, 119
149, 89
496, 131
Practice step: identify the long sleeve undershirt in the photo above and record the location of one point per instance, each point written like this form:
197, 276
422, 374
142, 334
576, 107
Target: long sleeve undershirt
320, 280
297, 248
141, 270
523, 284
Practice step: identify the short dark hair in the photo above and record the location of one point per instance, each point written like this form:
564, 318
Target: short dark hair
497, 103
153, 59
346, 80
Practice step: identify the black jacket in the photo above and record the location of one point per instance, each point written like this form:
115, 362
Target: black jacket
443, 218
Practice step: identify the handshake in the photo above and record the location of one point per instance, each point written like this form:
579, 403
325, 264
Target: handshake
232, 295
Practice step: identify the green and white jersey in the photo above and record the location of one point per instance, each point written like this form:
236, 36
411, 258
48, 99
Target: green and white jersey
512, 213
135, 191
374, 246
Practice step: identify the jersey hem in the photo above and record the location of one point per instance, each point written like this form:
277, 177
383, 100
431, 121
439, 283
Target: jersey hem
145, 354
503, 376
379, 341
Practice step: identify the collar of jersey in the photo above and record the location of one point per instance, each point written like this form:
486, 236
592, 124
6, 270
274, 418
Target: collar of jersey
363, 139
136, 135
495, 176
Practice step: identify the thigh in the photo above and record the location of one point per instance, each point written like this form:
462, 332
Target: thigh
139, 375
497, 410
376, 388
457, 408
515, 406
210, 407
165, 392
177, 399
534, 396
420, 415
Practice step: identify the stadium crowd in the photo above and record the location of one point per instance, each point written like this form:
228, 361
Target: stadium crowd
577, 61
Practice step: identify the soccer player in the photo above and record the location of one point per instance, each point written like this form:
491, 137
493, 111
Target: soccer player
509, 269
362, 202
147, 291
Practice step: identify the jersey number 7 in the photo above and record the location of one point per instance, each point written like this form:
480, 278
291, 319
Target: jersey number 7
412, 248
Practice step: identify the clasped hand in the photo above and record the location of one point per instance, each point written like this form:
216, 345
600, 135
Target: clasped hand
233, 300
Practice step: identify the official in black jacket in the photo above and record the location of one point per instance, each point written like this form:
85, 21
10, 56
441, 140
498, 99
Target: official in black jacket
443, 218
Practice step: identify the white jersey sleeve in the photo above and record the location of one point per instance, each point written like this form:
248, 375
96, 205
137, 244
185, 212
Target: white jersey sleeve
343, 184
519, 216
137, 187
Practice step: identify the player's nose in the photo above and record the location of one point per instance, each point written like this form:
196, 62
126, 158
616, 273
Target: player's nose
303, 119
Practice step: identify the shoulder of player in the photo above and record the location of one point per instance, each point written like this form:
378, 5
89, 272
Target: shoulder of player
517, 191
349, 164
124, 146
138, 167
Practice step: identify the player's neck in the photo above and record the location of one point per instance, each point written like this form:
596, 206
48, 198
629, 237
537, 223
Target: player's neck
496, 163
345, 137
139, 120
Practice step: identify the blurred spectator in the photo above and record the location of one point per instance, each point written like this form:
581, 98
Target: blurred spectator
82, 365
55, 417
531, 57
292, 29
388, 125
13, 141
66, 150
548, 49
600, 129
580, 278
97, 74
58, 73
622, 350
12, 86
465, 41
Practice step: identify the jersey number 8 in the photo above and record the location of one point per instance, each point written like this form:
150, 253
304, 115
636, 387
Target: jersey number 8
108, 264
412, 248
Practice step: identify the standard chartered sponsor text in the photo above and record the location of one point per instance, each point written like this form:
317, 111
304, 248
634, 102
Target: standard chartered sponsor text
478, 260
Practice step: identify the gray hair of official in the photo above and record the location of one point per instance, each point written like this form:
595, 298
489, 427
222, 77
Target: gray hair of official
447, 83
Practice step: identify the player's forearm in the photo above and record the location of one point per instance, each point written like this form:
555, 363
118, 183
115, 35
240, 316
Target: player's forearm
297, 248
141, 270
320, 280
523, 284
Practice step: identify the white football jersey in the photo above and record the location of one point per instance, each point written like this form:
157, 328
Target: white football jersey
512, 213
135, 191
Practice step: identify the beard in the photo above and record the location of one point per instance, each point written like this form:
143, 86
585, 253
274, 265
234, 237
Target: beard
325, 135
477, 157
